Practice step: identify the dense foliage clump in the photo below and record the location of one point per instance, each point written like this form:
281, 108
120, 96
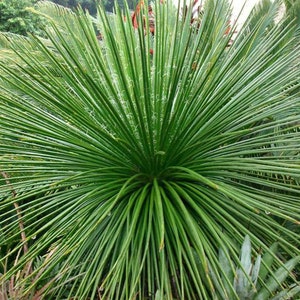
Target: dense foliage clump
15, 17
137, 166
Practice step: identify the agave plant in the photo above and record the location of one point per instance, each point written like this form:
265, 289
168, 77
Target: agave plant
253, 280
125, 170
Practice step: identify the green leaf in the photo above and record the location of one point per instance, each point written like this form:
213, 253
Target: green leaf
274, 282
256, 269
228, 275
267, 261
242, 280
288, 293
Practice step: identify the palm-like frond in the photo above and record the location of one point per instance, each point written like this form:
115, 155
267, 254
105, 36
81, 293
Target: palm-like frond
132, 170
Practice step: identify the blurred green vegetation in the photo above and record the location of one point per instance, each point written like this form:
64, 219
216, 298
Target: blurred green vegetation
15, 17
